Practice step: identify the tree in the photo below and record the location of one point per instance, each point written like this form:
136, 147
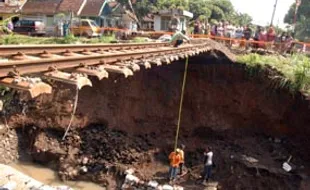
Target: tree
212, 10
302, 30
139, 7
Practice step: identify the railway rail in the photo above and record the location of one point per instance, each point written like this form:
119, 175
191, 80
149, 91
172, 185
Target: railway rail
27, 67
36, 49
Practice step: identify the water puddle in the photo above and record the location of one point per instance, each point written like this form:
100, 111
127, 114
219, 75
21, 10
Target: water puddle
49, 177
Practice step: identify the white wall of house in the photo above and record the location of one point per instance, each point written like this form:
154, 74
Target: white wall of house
157, 21
50, 21
161, 23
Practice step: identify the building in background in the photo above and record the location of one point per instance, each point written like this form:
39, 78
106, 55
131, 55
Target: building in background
162, 19
10, 8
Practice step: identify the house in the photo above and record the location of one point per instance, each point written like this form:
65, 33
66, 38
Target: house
74, 7
147, 22
162, 19
44, 11
114, 15
10, 8
53, 12
50, 12
111, 14
93, 10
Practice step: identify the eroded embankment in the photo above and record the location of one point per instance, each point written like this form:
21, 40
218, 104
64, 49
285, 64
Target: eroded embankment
225, 106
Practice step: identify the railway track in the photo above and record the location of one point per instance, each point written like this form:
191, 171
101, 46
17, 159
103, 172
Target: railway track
27, 67
10, 50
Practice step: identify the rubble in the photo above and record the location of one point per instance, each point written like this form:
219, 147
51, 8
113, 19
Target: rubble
9, 147
133, 182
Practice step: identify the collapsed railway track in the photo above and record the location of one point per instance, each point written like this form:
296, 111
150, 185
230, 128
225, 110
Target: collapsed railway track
24, 67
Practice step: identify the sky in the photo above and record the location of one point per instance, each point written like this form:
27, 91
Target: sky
261, 10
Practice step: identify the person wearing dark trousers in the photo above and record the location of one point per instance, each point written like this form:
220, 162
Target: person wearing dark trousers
178, 38
181, 150
174, 159
208, 164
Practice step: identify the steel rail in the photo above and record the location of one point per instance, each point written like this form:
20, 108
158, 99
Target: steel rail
9, 50
66, 62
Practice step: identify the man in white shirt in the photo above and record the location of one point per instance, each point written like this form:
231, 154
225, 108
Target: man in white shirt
208, 164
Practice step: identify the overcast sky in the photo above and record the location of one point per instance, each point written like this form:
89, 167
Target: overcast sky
261, 10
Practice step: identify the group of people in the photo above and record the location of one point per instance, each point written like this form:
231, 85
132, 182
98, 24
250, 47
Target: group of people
281, 42
177, 163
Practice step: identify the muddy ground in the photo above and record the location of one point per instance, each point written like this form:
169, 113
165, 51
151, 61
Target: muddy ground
121, 123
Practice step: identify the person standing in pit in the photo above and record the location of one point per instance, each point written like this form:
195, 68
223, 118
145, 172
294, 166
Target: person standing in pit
208, 164
181, 150
175, 159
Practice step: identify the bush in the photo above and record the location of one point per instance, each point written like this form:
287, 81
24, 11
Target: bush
295, 69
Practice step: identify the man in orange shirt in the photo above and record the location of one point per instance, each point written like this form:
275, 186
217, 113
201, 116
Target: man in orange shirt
175, 160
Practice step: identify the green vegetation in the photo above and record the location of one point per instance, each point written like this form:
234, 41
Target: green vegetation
3, 25
211, 10
295, 70
303, 20
13, 39
140, 39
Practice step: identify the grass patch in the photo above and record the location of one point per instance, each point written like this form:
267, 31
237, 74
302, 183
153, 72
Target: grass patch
295, 69
15, 39
102, 39
140, 39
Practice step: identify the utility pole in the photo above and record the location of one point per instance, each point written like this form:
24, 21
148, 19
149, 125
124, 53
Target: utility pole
274, 12
298, 2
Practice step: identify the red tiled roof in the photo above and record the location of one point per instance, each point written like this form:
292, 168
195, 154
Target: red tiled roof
148, 18
92, 8
41, 6
71, 5
8, 9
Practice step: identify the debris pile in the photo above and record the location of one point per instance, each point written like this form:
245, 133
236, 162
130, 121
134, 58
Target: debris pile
8, 145
133, 182
93, 153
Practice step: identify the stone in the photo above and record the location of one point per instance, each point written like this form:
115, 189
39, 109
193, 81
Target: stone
167, 187
132, 178
85, 160
1, 105
130, 171
153, 184
176, 187
84, 169
277, 140
3, 129
249, 159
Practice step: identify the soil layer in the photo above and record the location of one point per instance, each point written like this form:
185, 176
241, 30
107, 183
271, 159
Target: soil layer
252, 125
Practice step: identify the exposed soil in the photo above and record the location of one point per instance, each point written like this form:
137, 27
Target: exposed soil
130, 123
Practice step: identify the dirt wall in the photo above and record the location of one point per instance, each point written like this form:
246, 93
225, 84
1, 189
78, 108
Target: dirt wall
219, 94
236, 110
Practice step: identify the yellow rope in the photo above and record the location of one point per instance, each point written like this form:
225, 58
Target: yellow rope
181, 105
73, 112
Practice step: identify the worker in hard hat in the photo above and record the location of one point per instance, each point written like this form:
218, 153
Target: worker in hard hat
181, 150
175, 159
179, 38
